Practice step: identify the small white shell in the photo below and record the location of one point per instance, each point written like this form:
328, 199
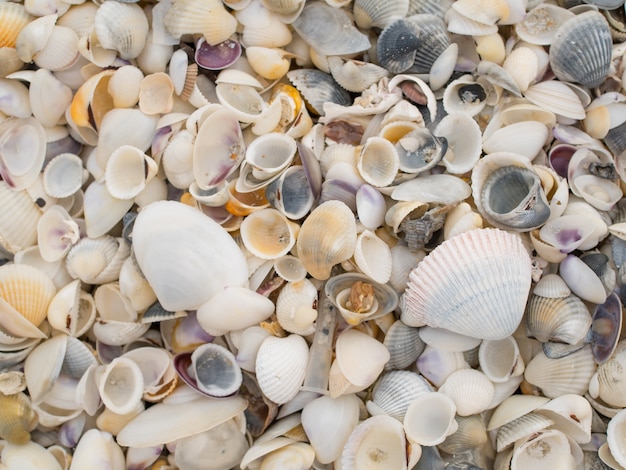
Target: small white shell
64, 175
470, 390
429, 419
281, 367
378, 162
373, 256
57, 232
120, 384
128, 170
295, 310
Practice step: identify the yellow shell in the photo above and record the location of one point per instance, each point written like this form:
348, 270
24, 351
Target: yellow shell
17, 418
13, 17
28, 290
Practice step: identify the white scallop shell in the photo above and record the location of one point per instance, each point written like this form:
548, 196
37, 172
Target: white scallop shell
122, 27
470, 390
281, 367
395, 391
428, 294
295, 310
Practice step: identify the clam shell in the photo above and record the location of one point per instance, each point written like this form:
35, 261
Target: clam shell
120, 384
420, 150
319, 248
404, 345
369, 13
571, 414
64, 175
360, 358
609, 378
281, 367
378, 162
464, 95
373, 257
22, 151
128, 170
216, 371
428, 294
19, 216
318, 88
295, 307
557, 319
500, 359
14, 17
615, 436
519, 428
370, 206
429, 419
557, 97
291, 192
581, 279
56, 233
354, 75
15, 97
551, 286
268, 234
569, 374
395, 391
590, 65
606, 327
505, 138
210, 19
163, 253
471, 391
97, 260
17, 418
329, 30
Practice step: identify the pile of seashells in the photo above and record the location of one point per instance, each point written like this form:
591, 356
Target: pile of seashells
279, 234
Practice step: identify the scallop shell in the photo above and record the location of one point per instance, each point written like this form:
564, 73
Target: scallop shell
404, 345
318, 88
569, 374
427, 294
354, 75
97, 260
589, 35
208, 18
541, 23
607, 384
17, 418
519, 428
471, 391
281, 367
397, 45
295, 307
369, 13
395, 391
319, 248
14, 18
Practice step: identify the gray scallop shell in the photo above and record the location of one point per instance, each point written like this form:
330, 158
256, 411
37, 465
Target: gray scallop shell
433, 40
397, 46
317, 88
581, 50
564, 320
329, 30
404, 345
615, 139
433, 7
396, 389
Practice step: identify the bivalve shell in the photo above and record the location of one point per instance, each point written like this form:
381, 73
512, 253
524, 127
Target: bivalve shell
471, 391
429, 419
428, 295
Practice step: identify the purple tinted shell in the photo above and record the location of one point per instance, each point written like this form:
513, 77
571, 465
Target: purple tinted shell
217, 57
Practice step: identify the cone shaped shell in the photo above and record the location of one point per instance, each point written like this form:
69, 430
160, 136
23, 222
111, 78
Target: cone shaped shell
327, 237
490, 258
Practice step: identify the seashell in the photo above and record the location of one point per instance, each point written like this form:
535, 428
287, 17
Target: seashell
556, 445
368, 14
72, 310
429, 419
124, 86
614, 438
153, 232
214, 370
525, 208
570, 414
328, 439
445, 340
505, 138
422, 305
128, 170
354, 75
270, 154
63, 175
464, 95
564, 320
34, 36
177, 160
395, 391
551, 286
320, 249
329, 30
397, 45
606, 383
217, 56
118, 333
461, 24
318, 88
461, 219
485, 12
262, 28
370, 207
120, 384
29, 455
436, 365
462, 135
56, 233
378, 442
569, 374
378, 162
373, 257
588, 68
433, 38
48, 98
135, 287
210, 19
427, 189
17, 419
97, 260
556, 97
500, 359
16, 101
419, 150
581, 279
14, 18
295, 307
336, 154
606, 325
156, 94
471, 391
404, 345
183, 333
270, 63
541, 23
359, 361
514, 407
521, 427
281, 367
244, 101
20, 138
290, 268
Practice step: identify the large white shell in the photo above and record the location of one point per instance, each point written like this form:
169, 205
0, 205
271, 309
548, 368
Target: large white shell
471, 258
166, 239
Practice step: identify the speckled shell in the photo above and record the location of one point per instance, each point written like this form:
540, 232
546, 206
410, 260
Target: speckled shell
491, 258
281, 367
581, 50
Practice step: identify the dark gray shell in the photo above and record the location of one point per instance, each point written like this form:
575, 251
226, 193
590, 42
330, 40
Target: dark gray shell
615, 139
317, 88
433, 40
397, 46
291, 193
581, 50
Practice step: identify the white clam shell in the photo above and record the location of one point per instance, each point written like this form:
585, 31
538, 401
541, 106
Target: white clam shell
615, 438
581, 280
268, 234
436, 365
471, 391
446, 340
429, 419
216, 370
122, 27
56, 233
128, 170
64, 175
500, 359
418, 309
170, 260
429, 189
22, 151
295, 310
281, 367
360, 357
571, 414
97, 260
464, 142
328, 423
527, 137
372, 256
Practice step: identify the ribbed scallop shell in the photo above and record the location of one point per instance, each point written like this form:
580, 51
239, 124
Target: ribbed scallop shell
372, 13
433, 38
281, 367
471, 391
209, 18
519, 428
564, 320
568, 374
295, 307
97, 260
611, 378
28, 290
495, 271
581, 50
355, 75
19, 216
13, 17
404, 345
327, 237
471, 433
397, 46
17, 418
318, 88
552, 286
395, 390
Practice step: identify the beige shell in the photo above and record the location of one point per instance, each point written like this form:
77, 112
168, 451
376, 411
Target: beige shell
17, 418
209, 18
28, 290
64, 175
470, 433
72, 310
97, 260
120, 384
124, 86
428, 294
429, 419
295, 307
56, 233
373, 256
268, 62
378, 162
13, 17
607, 384
128, 170
327, 237
122, 27
281, 367
395, 391
565, 319
470, 390
156, 94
